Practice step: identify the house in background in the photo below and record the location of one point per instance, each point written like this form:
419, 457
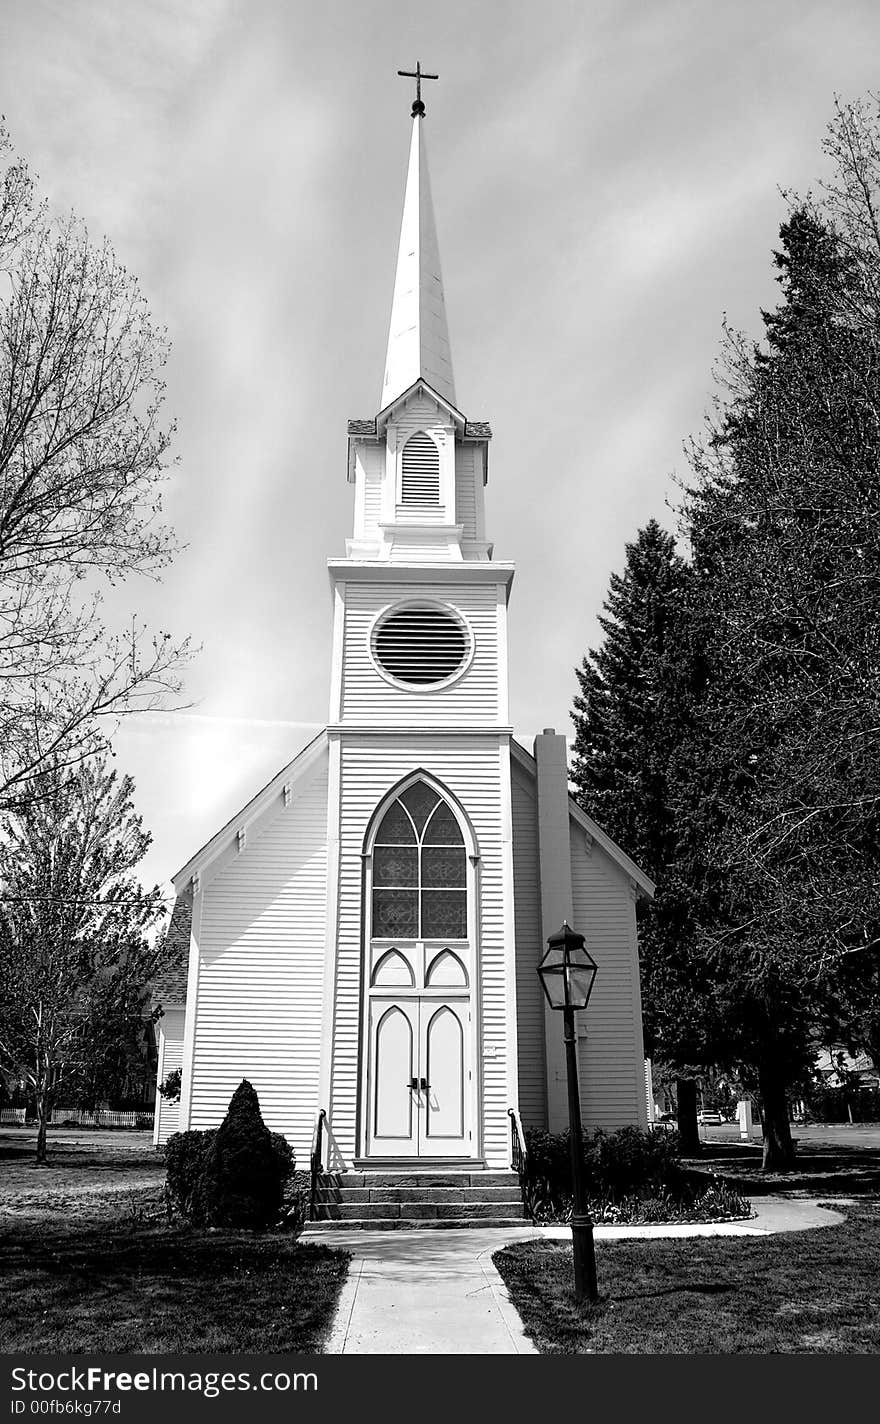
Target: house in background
362, 938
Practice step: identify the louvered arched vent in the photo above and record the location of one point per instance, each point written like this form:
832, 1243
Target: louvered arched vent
420, 644
420, 482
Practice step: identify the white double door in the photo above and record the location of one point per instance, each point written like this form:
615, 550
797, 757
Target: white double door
419, 1071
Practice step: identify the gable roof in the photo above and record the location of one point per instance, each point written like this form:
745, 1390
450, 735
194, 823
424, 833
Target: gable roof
291, 772
170, 986
368, 429
420, 384
643, 882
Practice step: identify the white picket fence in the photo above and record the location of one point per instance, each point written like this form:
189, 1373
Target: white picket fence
102, 1118
81, 1117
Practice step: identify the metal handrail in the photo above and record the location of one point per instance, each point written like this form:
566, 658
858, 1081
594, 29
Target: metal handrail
518, 1149
316, 1162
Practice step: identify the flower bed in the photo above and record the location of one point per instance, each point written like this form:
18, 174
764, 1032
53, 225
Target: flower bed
631, 1178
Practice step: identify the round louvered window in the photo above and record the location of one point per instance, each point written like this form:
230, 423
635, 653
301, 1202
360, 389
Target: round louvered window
420, 644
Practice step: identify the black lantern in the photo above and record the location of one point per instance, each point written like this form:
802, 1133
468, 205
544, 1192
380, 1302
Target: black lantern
567, 973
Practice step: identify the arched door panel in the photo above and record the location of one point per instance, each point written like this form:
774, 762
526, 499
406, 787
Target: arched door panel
444, 1064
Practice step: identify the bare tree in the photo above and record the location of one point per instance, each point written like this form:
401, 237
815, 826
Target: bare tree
82, 460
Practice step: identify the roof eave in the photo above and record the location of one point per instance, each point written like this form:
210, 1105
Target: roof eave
209, 852
642, 881
386, 412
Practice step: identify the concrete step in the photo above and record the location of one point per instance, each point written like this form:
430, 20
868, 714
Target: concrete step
416, 1210
385, 1223
406, 1178
510, 1192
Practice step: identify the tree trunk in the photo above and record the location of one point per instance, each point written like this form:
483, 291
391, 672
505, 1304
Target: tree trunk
686, 1107
41, 1088
778, 1146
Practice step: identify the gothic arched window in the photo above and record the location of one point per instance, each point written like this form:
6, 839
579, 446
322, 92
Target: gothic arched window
419, 869
420, 471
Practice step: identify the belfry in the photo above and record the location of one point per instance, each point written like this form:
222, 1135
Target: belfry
361, 940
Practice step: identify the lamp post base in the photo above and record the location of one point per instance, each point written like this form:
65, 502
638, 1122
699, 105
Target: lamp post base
585, 1285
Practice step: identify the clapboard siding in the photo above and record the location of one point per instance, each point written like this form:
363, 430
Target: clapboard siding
527, 907
465, 492
372, 461
421, 550
419, 413
471, 769
611, 1055
368, 697
170, 1059
261, 966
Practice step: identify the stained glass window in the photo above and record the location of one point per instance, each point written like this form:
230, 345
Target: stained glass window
442, 829
420, 801
419, 870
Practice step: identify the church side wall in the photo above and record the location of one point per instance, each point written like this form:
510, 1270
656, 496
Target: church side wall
472, 768
611, 1056
368, 697
465, 492
170, 1059
261, 968
527, 908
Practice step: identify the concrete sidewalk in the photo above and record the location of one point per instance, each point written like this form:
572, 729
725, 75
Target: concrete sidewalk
437, 1292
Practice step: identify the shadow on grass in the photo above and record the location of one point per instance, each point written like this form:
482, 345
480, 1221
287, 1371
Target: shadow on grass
852, 1170
147, 1288
66, 1154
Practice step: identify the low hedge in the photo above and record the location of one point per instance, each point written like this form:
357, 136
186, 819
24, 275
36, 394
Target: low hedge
630, 1176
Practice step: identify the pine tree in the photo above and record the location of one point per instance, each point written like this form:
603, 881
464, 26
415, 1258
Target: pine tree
626, 716
632, 719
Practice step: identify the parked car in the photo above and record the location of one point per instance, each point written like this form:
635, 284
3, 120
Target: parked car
710, 1119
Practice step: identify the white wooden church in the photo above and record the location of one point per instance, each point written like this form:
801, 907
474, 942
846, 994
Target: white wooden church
363, 937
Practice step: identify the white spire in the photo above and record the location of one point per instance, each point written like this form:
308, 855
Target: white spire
418, 338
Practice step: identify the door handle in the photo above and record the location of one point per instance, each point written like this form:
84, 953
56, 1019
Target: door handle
413, 1085
424, 1085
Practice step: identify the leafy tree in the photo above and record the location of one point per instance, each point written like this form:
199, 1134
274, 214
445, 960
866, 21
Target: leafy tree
75, 961
761, 826
783, 523
82, 461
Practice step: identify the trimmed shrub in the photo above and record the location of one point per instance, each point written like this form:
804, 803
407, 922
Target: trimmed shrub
631, 1162
295, 1206
232, 1175
185, 1155
245, 1167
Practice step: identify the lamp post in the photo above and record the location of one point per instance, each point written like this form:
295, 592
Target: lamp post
567, 973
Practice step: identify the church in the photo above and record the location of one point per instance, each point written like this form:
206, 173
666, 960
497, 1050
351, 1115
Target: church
361, 940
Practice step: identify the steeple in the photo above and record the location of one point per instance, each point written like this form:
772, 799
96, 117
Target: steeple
418, 337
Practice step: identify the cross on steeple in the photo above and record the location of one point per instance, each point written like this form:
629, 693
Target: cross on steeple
418, 75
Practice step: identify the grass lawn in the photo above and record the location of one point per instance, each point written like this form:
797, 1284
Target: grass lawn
820, 1166
807, 1292
89, 1264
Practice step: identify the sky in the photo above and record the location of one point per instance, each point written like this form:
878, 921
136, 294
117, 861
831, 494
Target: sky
607, 182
